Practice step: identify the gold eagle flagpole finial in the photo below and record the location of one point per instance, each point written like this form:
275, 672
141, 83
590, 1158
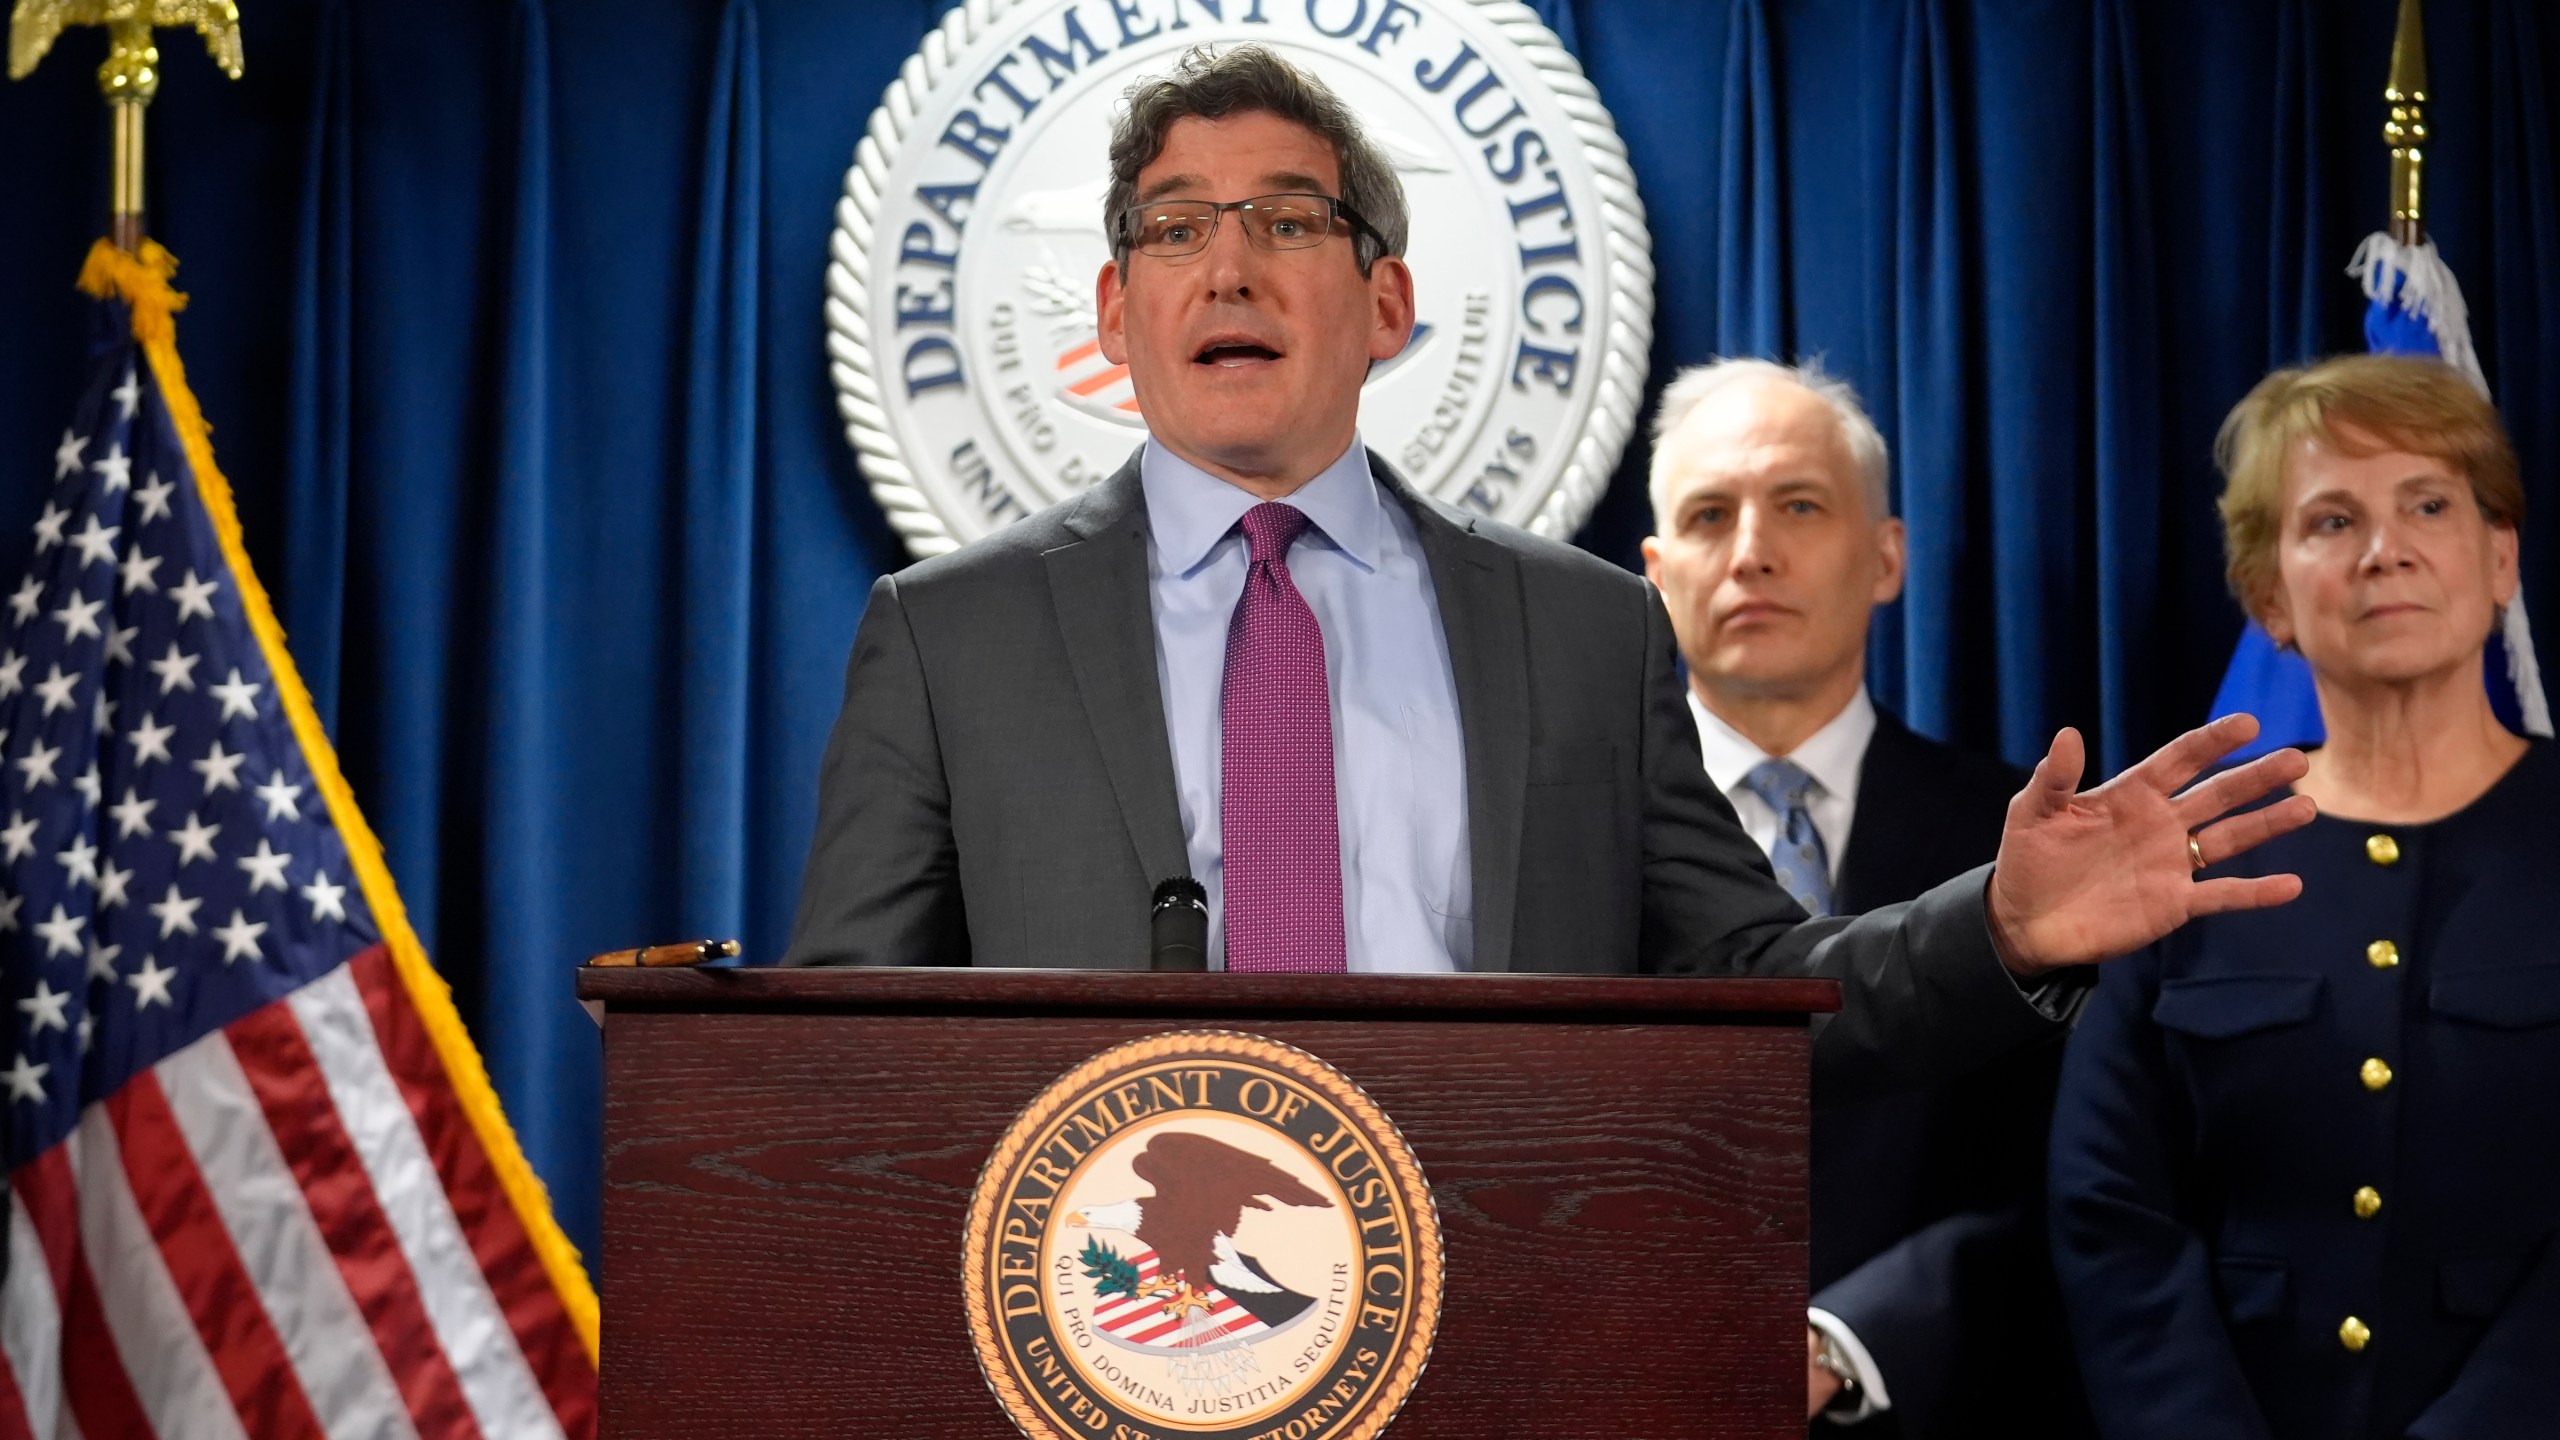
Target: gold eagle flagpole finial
131, 74
2406, 131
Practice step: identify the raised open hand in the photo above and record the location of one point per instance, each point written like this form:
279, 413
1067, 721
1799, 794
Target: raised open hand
2085, 876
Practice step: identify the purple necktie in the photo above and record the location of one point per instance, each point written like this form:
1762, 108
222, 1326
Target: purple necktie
1283, 850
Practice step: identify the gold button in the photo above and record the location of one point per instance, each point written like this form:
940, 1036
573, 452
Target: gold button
2368, 1202
2354, 1334
2382, 850
2382, 954
2375, 1074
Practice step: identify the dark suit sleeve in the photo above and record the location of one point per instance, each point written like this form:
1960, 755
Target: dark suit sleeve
2505, 1387
1918, 1302
1923, 995
882, 885
2155, 1356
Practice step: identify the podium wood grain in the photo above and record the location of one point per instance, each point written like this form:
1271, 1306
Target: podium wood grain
1619, 1166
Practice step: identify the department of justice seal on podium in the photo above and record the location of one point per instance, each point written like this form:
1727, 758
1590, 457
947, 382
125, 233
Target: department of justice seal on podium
960, 283
1202, 1234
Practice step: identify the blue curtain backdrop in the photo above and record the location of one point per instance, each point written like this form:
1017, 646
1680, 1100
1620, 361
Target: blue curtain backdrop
508, 313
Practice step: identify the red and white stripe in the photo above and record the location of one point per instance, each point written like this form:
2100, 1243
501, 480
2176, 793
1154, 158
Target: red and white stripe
1090, 381
288, 1229
1143, 1321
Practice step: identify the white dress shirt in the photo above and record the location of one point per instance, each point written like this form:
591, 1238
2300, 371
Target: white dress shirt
1833, 756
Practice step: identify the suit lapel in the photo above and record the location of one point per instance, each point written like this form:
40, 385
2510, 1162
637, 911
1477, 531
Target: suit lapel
1477, 583
1098, 585
1876, 837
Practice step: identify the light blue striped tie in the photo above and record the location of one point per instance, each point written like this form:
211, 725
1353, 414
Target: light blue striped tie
1803, 865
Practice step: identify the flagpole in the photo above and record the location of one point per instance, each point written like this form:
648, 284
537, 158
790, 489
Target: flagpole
2405, 132
129, 77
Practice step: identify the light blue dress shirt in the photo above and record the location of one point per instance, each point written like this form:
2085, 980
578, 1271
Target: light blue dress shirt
1399, 758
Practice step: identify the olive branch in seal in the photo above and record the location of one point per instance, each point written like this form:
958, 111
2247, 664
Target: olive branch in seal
1111, 1273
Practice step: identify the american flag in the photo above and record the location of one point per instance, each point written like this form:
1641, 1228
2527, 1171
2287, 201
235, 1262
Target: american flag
258, 1185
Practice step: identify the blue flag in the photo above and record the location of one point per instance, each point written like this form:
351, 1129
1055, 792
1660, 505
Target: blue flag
2414, 307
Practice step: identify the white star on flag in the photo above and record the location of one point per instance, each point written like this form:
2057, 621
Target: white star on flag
66, 456
151, 982
89, 786
49, 527
55, 688
132, 814
195, 842
150, 739
26, 1082
102, 715
194, 597
114, 469
13, 670
177, 671
79, 616
239, 697
177, 914
97, 543
240, 938
112, 879
120, 644
328, 902
283, 799
22, 604
61, 933
18, 839
45, 1009
101, 960
154, 499
80, 862
128, 395
220, 769
9, 912
266, 868
140, 572
38, 763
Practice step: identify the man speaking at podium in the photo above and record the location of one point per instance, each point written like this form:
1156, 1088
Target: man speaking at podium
1384, 734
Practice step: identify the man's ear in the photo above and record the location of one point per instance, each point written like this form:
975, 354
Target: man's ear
1652, 548
1892, 558
1391, 295
1110, 322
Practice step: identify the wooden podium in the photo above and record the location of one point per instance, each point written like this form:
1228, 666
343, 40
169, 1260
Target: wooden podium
1618, 1166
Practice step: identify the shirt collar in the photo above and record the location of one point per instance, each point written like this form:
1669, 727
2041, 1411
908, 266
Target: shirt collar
1190, 510
1832, 755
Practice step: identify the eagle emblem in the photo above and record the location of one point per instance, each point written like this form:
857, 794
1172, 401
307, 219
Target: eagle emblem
1190, 1286
1204, 1233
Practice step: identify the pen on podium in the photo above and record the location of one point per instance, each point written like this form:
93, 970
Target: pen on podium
689, 952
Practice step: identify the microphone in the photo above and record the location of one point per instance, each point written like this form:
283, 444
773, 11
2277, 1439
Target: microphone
1178, 926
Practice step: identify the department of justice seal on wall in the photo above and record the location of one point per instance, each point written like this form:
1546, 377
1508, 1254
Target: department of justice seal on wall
960, 285
1202, 1234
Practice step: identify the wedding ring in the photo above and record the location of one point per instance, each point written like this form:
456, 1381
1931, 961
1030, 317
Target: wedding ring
2195, 850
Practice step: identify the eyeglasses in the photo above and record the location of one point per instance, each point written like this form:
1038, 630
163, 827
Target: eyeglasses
1172, 228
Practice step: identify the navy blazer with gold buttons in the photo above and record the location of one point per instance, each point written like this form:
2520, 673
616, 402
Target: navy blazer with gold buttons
2305, 1176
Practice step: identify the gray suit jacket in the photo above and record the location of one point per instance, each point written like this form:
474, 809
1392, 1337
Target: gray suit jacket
999, 789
